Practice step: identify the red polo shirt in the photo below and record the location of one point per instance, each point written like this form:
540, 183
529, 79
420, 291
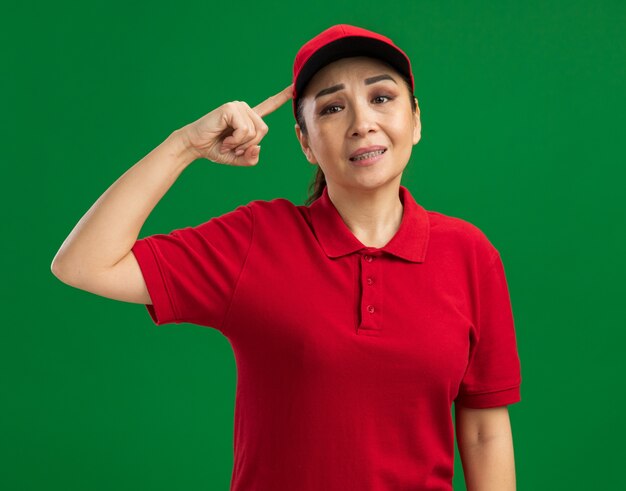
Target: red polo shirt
348, 357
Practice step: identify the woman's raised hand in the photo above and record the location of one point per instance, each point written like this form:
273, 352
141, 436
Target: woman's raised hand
230, 133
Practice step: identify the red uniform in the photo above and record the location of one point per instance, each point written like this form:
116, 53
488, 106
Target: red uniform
348, 357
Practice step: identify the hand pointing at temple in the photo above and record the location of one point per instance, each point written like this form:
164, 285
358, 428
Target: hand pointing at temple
230, 133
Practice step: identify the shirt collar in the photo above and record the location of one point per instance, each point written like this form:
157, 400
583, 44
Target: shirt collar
410, 241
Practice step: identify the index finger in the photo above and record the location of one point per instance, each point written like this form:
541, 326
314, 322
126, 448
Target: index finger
274, 102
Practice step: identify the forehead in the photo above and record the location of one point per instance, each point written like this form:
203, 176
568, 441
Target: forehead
345, 68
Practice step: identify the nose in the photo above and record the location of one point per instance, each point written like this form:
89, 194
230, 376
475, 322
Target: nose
363, 119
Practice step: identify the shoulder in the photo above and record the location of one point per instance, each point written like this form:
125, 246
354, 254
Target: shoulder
461, 234
461, 228
274, 205
275, 208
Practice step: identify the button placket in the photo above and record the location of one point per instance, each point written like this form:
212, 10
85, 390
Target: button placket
371, 299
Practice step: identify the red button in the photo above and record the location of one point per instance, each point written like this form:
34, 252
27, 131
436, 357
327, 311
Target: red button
370, 309
368, 258
370, 281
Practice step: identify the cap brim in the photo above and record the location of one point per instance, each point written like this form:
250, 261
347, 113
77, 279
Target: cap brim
345, 48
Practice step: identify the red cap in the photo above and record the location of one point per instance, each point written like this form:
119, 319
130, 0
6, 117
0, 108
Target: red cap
343, 41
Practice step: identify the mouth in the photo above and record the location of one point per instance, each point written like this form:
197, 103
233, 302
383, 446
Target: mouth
368, 155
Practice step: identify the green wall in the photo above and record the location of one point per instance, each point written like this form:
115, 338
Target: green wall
522, 108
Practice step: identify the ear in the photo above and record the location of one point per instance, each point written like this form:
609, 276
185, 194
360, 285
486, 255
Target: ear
417, 124
304, 144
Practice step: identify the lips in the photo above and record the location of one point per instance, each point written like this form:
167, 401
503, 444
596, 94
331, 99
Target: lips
363, 150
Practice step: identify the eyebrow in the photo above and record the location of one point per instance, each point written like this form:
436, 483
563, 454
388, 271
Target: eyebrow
368, 81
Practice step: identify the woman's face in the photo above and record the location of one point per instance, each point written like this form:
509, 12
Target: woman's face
344, 111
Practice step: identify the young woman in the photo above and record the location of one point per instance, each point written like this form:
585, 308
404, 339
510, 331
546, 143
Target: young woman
357, 320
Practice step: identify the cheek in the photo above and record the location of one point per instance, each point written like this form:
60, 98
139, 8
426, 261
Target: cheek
324, 138
402, 132
408, 128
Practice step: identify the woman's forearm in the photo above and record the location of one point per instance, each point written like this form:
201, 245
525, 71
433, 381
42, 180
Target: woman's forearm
109, 229
489, 465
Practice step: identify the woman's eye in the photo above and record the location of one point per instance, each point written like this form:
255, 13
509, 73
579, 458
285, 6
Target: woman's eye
382, 96
327, 109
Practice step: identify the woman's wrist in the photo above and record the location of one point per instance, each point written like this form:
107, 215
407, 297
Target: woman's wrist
182, 147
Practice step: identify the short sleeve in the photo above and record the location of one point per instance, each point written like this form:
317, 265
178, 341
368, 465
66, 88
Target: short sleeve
493, 374
191, 273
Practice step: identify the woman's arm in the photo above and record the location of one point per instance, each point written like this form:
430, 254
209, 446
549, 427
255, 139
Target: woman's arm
105, 235
107, 232
485, 445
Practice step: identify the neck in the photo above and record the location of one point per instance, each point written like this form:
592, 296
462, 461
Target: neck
372, 215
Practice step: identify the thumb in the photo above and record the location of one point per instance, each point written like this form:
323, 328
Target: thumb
249, 157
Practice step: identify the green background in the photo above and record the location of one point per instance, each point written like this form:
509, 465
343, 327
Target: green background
522, 108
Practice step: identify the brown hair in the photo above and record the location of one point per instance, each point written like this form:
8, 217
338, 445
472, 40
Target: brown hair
317, 185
